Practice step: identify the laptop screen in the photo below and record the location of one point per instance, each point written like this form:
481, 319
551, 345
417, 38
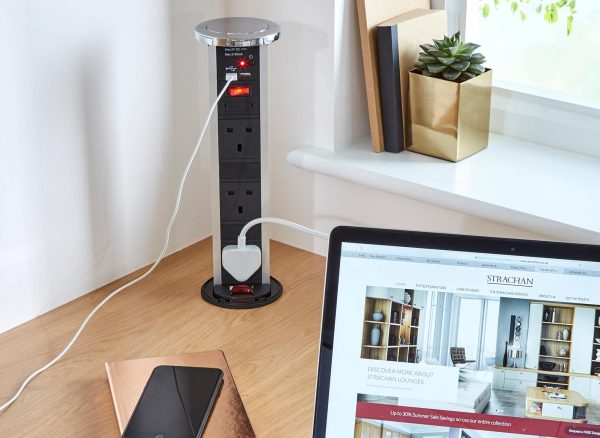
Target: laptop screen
438, 343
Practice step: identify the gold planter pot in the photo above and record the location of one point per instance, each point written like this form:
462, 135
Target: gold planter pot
449, 120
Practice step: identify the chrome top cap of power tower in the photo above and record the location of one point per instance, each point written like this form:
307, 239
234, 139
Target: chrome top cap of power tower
237, 32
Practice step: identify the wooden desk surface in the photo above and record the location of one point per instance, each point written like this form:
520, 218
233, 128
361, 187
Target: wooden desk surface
272, 351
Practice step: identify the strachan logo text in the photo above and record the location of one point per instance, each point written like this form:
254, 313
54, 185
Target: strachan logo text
510, 280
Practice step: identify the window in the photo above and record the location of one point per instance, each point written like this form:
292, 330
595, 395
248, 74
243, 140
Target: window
467, 335
546, 66
479, 342
549, 47
490, 331
459, 321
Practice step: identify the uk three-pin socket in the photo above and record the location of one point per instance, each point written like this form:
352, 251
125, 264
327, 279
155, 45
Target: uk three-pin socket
239, 139
240, 201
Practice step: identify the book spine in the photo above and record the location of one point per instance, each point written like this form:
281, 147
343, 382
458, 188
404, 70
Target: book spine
389, 83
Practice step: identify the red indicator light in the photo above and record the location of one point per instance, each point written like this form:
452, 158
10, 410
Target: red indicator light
242, 289
243, 63
243, 90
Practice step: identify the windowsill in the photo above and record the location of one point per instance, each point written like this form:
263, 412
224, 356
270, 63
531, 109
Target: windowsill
546, 190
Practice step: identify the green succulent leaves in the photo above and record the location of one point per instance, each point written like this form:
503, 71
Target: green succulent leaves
450, 59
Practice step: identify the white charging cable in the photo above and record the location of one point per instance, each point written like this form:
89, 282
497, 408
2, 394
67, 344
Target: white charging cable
145, 274
275, 220
242, 260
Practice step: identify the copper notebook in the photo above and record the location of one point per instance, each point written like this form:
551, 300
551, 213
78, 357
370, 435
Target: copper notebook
127, 380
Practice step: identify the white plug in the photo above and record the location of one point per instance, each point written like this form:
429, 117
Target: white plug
231, 76
241, 261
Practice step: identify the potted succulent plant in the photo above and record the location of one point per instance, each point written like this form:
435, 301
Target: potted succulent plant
450, 93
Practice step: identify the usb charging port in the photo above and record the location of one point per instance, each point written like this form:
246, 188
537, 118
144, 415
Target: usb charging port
245, 75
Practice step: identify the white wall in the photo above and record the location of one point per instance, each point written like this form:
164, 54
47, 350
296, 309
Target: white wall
100, 107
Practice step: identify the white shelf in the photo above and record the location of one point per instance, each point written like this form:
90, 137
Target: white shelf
523, 184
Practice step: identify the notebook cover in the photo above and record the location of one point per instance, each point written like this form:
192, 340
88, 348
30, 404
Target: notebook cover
398, 42
370, 14
127, 380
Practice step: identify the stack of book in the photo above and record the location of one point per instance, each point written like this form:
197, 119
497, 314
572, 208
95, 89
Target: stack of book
391, 32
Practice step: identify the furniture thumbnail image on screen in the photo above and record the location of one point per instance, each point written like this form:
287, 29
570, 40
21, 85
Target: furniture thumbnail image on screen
516, 357
391, 327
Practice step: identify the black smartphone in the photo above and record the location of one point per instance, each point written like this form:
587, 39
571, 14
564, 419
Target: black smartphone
176, 403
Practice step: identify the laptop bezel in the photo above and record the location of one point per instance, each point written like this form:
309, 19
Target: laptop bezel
414, 239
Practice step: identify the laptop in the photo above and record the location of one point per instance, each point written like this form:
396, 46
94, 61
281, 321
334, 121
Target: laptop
438, 335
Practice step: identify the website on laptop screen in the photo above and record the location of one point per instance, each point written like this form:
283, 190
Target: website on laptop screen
459, 344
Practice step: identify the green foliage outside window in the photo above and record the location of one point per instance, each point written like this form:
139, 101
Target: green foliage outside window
550, 11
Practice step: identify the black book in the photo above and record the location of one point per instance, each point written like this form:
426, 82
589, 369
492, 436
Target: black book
389, 83
398, 42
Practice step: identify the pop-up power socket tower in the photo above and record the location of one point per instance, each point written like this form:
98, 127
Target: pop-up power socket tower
240, 190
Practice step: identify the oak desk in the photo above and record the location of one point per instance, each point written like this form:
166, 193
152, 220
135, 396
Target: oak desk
272, 351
